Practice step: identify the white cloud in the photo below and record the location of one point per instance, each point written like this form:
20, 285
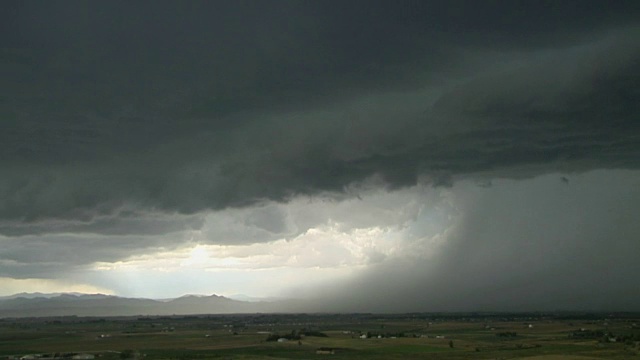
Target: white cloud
332, 240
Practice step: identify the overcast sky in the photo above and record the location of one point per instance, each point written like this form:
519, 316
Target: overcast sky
369, 155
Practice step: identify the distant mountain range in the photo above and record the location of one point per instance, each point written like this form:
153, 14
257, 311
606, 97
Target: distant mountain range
67, 304
45, 295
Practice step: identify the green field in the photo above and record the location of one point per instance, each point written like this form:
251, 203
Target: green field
406, 336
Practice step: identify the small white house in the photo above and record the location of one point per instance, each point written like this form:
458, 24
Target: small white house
283, 340
83, 357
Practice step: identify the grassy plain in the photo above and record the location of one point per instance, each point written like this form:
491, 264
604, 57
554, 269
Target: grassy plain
403, 336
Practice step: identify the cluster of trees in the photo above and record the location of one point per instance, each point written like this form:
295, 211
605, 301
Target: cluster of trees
314, 333
507, 334
388, 334
291, 336
127, 354
587, 334
605, 336
295, 335
628, 339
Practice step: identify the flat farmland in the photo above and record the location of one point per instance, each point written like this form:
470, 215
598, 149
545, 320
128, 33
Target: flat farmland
326, 336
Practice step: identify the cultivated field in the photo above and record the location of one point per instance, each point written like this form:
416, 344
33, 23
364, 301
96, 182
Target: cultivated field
327, 336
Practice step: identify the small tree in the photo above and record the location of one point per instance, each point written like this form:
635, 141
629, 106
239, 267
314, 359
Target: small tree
451, 344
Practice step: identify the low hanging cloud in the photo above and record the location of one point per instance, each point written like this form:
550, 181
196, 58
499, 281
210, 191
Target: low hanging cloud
272, 227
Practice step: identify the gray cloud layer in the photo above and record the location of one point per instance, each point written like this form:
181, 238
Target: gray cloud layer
123, 124
534, 244
186, 115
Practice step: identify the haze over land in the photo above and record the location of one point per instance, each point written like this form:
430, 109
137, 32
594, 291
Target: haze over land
363, 156
49, 305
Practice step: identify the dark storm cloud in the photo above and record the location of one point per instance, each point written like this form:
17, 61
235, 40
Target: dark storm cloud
122, 222
167, 107
534, 244
55, 256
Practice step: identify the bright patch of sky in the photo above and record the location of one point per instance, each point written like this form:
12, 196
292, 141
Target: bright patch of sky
360, 233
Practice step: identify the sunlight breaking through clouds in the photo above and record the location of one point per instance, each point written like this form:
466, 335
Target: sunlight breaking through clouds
328, 241
315, 253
